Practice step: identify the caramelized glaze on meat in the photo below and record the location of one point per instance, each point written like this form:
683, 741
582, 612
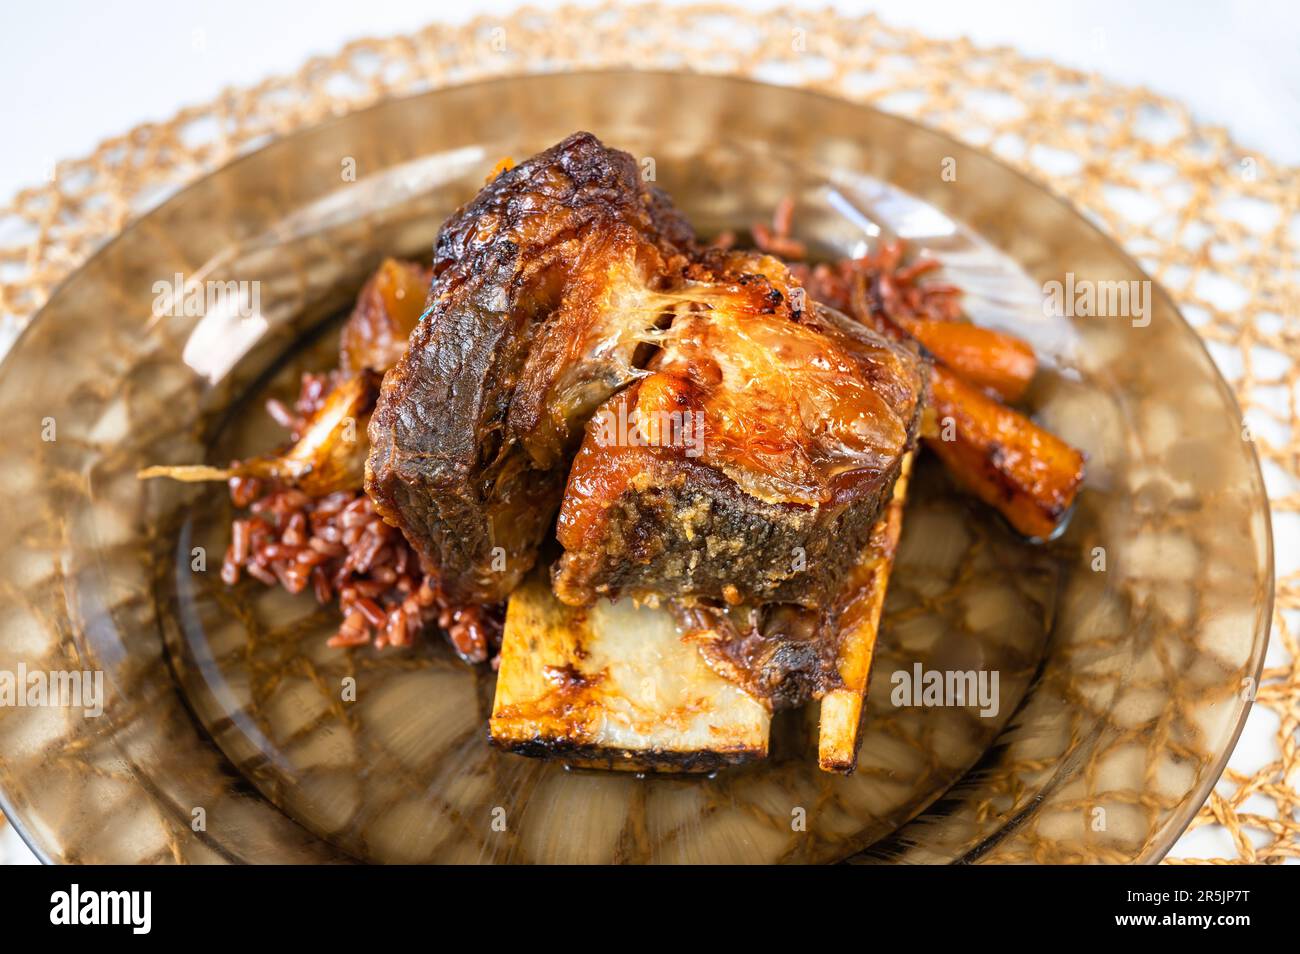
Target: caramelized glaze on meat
544, 288
767, 440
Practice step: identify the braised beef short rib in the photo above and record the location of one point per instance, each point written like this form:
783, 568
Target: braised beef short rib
705, 433
771, 438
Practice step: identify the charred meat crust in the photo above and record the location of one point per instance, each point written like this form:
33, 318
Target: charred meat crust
471, 434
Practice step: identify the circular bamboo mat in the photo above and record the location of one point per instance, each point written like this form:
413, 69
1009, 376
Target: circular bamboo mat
1218, 225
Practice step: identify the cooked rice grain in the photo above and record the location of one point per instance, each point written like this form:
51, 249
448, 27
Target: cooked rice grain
340, 547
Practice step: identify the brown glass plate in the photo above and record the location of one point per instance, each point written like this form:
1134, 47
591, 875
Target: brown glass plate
1126, 649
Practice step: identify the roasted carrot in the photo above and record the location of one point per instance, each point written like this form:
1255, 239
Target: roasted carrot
1029, 475
1000, 363
1005, 459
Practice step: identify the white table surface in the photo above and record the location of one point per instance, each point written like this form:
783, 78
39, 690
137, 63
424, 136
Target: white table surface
77, 72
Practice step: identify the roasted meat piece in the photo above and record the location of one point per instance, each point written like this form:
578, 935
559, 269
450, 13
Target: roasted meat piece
747, 460
545, 287
751, 464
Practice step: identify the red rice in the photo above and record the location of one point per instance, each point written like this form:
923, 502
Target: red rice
340, 548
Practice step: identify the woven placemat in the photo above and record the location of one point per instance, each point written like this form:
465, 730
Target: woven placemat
1218, 225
